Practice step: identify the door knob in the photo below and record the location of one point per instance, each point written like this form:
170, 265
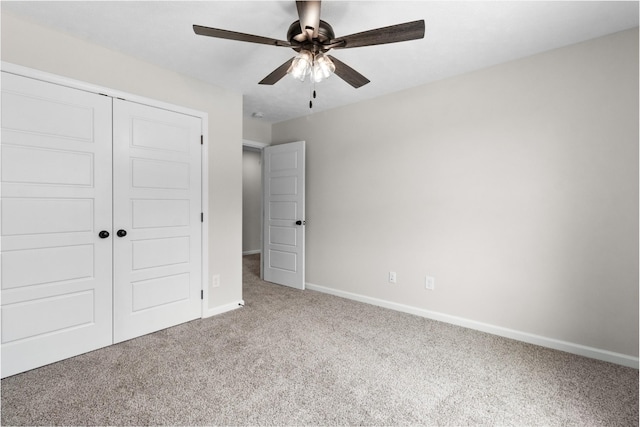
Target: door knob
103, 234
299, 222
121, 233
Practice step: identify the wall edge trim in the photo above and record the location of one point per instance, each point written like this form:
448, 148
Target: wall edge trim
573, 348
223, 308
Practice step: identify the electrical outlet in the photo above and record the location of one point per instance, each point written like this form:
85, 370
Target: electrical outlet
392, 277
430, 283
215, 281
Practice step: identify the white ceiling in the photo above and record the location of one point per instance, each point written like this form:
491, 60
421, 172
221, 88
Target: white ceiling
460, 37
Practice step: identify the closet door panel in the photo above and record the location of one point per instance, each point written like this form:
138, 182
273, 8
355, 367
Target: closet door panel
157, 201
56, 190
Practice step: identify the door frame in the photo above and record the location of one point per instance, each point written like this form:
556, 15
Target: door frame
204, 117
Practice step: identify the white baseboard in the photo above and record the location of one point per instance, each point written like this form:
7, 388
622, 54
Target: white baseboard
255, 251
223, 309
581, 350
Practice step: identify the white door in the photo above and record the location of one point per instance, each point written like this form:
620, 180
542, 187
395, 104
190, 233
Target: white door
157, 203
56, 199
284, 220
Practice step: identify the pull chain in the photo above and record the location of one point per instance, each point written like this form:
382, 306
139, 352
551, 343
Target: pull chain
312, 80
314, 95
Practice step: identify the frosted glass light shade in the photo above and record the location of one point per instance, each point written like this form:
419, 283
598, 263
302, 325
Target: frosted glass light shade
322, 67
301, 65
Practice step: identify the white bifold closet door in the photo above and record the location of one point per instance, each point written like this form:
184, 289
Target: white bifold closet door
101, 225
157, 181
56, 198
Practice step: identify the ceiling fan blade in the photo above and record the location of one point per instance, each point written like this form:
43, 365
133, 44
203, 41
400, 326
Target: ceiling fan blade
242, 37
391, 34
309, 15
276, 74
348, 74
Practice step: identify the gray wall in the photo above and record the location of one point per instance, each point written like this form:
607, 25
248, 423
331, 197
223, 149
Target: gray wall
34, 46
516, 187
251, 201
256, 130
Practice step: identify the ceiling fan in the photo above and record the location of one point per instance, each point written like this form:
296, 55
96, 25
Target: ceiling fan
312, 37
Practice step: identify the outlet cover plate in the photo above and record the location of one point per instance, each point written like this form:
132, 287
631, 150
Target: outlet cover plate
430, 283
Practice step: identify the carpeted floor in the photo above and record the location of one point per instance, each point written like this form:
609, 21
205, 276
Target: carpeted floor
294, 357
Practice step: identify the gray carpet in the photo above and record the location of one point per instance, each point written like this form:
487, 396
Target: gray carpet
305, 358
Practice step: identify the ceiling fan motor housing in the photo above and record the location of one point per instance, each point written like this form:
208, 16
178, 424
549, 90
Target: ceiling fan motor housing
299, 40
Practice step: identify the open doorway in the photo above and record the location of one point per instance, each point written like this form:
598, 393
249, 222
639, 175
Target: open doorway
251, 199
252, 206
274, 210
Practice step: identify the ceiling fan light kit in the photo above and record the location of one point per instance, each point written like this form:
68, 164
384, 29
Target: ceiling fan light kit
318, 65
312, 38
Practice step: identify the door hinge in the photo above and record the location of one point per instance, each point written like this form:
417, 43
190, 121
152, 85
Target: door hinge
201, 139
201, 216
201, 293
